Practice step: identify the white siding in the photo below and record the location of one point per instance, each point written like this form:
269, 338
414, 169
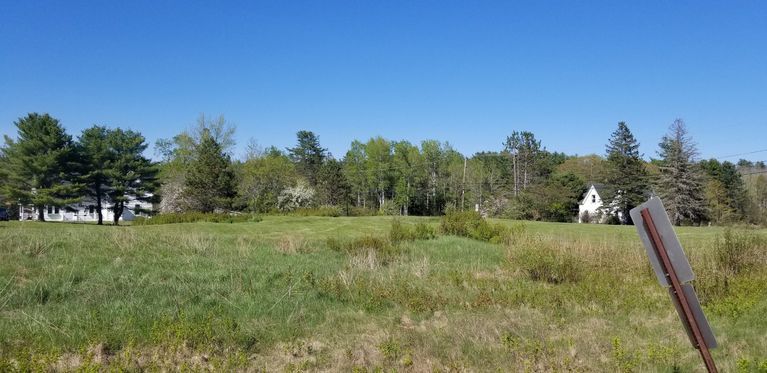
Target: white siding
81, 212
591, 203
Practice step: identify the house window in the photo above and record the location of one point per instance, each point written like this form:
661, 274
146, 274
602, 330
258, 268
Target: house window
50, 209
56, 209
90, 209
593, 198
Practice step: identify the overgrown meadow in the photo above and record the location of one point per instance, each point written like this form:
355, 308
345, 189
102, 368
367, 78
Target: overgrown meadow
369, 294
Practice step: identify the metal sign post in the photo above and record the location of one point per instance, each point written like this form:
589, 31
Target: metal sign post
673, 271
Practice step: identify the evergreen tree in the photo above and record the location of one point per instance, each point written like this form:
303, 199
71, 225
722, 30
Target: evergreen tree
681, 180
209, 182
718, 203
627, 179
130, 175
332, 185
95, 157
40, 166
308, 155
727, 174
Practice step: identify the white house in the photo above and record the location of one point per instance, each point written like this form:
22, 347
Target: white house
85, 211
589, 206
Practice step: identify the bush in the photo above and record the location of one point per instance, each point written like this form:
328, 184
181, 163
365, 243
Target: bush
460, 223
401, 232
471, 224
737, 251
424, 231
193, 217
544, 262
293, 198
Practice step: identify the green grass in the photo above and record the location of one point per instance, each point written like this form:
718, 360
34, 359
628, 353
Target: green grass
272, 295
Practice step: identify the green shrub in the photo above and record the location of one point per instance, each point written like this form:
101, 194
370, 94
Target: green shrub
460, 223
193, 217
737, 251
424, 231
543, 261
471, 224
402, 232
399, 232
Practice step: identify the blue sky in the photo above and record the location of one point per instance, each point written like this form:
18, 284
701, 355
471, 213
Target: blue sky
465, 72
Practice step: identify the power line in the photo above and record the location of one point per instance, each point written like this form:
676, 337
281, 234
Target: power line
746, 153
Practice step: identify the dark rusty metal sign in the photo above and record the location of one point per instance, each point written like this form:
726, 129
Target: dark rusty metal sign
674, 271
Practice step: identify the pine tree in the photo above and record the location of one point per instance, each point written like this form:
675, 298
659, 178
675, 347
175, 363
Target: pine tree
681, 181
627, 179
209, 183
95, 156
332, 186
40, 164
736, 197
130, 175
308, 155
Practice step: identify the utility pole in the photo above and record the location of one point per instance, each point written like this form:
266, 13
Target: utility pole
463, 184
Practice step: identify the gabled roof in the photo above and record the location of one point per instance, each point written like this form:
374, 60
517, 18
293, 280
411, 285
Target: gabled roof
597, 186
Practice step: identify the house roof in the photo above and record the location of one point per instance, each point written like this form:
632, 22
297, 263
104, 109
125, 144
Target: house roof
600, 188
597, 186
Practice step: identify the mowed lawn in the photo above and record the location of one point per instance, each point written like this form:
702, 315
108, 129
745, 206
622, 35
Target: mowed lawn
275, 295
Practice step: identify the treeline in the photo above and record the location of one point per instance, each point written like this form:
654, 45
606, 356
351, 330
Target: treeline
520, 179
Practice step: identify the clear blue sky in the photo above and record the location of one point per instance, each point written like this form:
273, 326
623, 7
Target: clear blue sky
466, 72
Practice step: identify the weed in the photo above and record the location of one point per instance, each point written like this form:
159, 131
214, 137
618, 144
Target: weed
293, 244
471, 224
542, 261
400, 232
390, 349
625, 361
383, 248
737, 251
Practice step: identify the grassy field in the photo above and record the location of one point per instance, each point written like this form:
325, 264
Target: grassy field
277, 295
